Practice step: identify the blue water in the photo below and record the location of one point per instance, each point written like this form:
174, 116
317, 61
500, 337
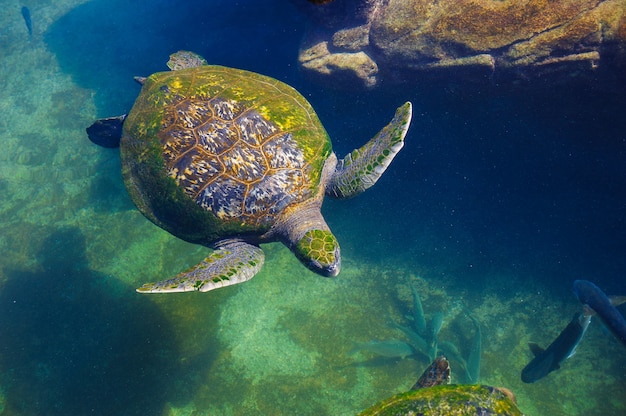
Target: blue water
500, 188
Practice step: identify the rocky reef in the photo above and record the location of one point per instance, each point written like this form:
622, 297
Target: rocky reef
367, 42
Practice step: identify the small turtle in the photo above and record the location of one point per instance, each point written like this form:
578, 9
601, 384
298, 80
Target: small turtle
433, 396
230, 159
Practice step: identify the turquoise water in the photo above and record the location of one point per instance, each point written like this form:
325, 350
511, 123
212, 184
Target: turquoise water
501, 198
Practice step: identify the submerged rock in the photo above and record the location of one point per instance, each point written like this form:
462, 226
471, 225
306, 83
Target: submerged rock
366, 41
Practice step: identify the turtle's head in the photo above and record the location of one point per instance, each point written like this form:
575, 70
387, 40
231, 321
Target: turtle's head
319, 251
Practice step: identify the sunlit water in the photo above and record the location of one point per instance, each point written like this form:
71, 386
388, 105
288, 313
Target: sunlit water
501, 198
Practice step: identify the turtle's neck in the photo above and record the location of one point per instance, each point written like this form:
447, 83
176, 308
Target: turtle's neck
298, 219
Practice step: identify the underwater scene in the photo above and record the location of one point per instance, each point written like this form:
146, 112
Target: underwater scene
504, 195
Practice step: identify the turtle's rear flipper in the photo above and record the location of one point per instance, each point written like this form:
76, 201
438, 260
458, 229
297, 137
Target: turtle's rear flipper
437, 373
361, 169
230, 264
107, 132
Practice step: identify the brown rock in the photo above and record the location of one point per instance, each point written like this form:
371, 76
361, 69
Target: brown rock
371, 40
342, 67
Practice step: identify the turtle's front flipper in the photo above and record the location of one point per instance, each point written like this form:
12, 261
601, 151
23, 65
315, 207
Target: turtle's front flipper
361, 169
107, 132
232, 263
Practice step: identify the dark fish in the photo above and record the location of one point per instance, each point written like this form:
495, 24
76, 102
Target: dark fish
473, 361
592, 297
452, 351
418, 312
435, 326
29, 23
390, 348
562, 348
418, 342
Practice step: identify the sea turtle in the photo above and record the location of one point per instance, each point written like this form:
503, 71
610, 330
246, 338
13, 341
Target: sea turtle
433, 396
230, 159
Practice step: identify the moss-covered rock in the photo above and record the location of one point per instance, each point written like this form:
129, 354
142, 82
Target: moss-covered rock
368, 40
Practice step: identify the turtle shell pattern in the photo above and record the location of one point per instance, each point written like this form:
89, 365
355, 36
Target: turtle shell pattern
240, 146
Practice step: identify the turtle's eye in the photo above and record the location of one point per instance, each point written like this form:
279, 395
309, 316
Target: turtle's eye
319, 251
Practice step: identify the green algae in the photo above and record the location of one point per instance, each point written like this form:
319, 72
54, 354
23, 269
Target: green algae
446, 400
